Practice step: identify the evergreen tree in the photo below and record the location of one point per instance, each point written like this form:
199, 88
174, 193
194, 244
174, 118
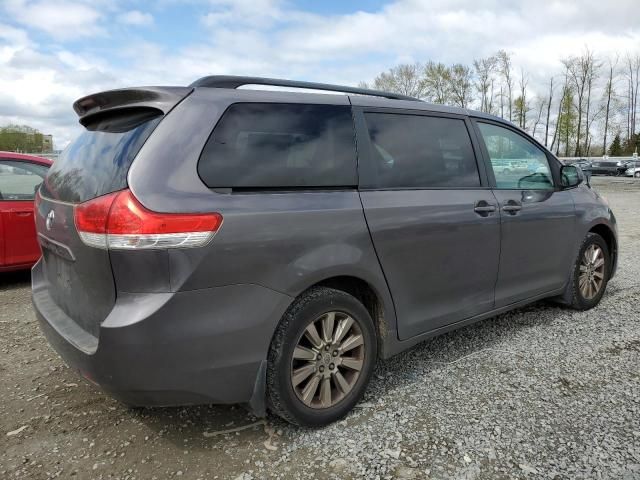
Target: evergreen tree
615, 150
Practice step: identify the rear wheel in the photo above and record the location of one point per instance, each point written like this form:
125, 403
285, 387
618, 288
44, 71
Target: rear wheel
321, 358
591, 273
637, 174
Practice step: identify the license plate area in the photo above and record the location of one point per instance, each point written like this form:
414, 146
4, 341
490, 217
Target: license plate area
56, 248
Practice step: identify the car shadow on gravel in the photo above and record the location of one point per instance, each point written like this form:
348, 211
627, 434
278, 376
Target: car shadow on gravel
14, 280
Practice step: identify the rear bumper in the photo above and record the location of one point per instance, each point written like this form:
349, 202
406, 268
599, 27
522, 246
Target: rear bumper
160, 349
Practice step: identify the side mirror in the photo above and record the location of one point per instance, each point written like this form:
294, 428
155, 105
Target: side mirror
571, 176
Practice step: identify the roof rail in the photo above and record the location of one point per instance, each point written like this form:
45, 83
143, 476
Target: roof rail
232, 81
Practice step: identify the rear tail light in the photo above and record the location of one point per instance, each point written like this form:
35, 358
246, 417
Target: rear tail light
119, 221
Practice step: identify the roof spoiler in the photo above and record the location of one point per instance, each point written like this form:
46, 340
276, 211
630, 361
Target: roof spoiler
162, 99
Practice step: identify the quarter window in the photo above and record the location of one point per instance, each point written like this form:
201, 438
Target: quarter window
417, 151
281, 145
20, 180
517, 163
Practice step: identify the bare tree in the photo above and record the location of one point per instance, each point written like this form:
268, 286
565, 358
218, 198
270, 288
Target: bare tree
587, 104
437, 82
633, 82
522, 107
556, 132
595, 116
405, 79
546, 126
491, 98
504, 66
608, 94
540, 104
580, 70
591, 78
485, 69
460, 77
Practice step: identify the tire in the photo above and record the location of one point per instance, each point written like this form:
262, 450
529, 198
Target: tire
575, 295
637, 174
314, 307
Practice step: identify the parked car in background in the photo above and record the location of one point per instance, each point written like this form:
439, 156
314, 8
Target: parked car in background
585, 166
20, 177
607, 167
513, 165
633, 169
583, 163
213, 244
624, 166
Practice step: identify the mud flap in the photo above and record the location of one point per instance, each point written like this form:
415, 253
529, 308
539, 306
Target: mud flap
257, 403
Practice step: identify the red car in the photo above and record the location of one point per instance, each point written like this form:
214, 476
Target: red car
20, 177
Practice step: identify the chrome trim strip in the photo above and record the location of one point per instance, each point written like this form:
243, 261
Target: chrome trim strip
48, 240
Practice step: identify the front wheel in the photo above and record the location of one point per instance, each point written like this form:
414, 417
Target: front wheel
637, 174
321, 358
591, 273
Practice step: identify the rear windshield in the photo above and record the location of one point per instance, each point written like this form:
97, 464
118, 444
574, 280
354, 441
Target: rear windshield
267, 145
97, 162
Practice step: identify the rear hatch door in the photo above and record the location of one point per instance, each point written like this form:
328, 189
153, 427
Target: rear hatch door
79, 277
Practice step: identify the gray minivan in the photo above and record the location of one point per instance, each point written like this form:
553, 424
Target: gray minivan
216, 244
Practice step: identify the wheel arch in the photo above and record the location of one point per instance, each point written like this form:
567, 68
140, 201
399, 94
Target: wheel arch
379, 307
609, 237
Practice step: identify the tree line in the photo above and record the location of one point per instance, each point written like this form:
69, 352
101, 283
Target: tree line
23, 139
589, 108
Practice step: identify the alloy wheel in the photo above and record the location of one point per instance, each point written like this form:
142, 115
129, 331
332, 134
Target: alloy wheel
327, 360
591, 276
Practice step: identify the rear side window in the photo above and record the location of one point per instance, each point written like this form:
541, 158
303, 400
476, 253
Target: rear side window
19, 180
266, 145
97, 162
416, 151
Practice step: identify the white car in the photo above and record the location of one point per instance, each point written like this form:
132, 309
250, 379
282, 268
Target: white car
633, 172
633, 169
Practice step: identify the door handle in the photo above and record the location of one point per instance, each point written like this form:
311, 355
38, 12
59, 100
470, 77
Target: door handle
22, 213
483, 208
512, 207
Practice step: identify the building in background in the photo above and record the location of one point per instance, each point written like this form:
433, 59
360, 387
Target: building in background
47, 143
22, 138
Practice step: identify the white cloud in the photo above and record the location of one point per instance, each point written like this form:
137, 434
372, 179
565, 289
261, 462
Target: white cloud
38, 88
136, 18
60, 19
356, 46
272, 38
13, 35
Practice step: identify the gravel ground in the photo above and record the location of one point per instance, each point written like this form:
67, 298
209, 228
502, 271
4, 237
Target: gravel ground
541, 392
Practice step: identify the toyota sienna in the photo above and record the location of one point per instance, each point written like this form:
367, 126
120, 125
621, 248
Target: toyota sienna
216, 244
